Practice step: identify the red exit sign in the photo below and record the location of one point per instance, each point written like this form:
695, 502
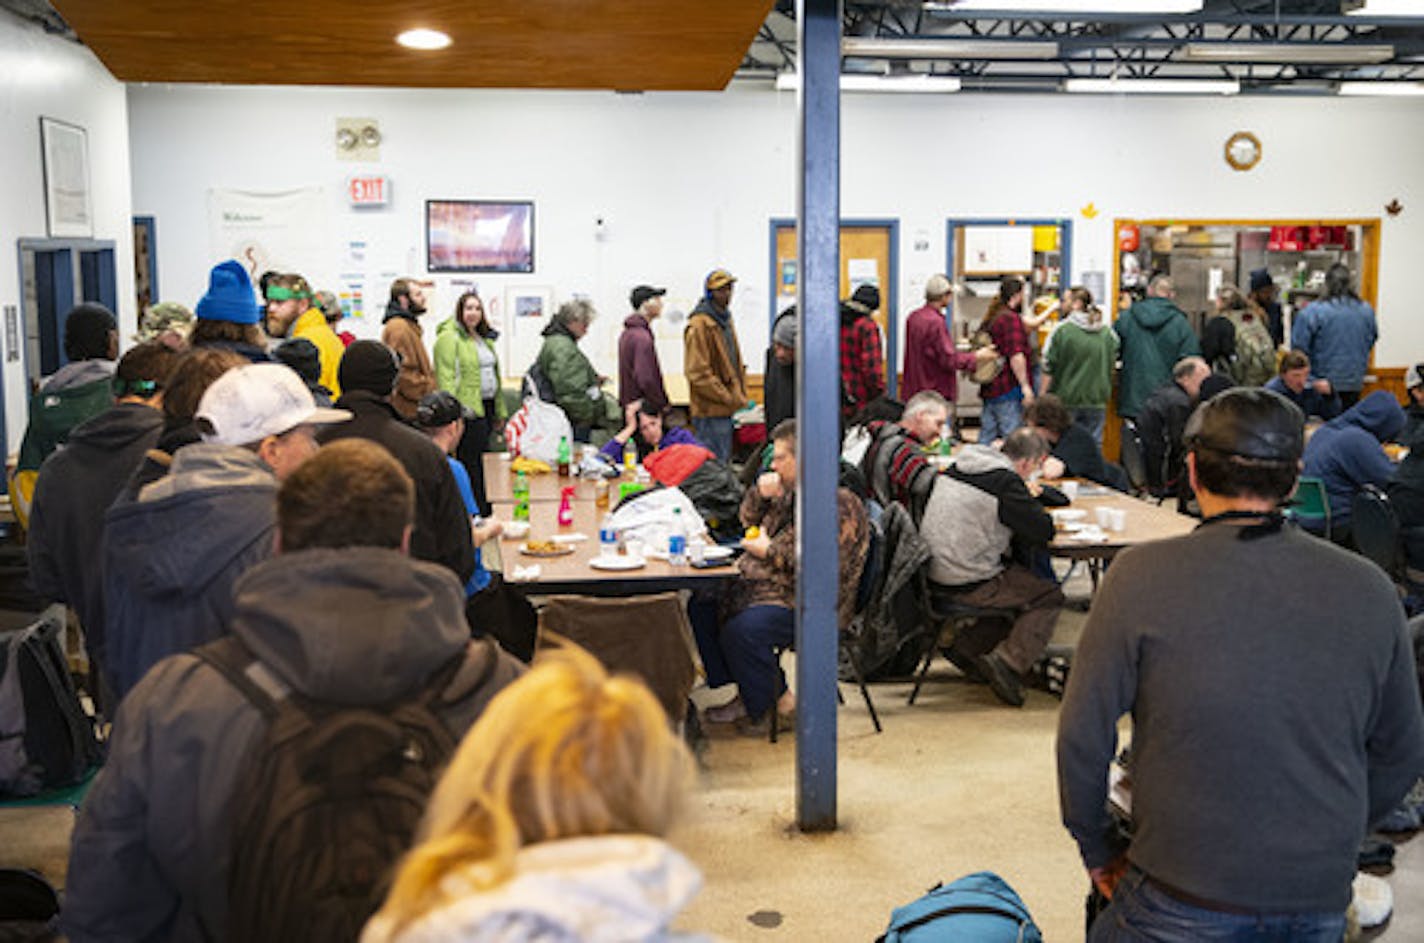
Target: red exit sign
368, 191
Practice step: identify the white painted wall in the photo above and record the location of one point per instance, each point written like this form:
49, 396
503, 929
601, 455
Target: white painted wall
689, 181
43, 75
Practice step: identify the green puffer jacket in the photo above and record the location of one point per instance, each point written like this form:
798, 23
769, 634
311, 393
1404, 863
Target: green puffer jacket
576, 388
457, 367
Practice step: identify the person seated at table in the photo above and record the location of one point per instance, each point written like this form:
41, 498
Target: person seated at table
1346, 454
1160, 422
1406, 496
1314, 397
983, 523
1075, 452
761, 604
648, 428
895, 465
551, 822
1414, 408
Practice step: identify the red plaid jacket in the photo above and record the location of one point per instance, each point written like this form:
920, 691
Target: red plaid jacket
1010, 338
862, 365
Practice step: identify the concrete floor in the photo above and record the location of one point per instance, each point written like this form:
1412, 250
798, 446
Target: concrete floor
955, 784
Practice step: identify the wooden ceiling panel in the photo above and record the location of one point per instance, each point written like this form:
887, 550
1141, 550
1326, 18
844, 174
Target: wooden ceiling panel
610, 44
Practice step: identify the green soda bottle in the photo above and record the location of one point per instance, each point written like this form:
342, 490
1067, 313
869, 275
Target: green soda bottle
521, 497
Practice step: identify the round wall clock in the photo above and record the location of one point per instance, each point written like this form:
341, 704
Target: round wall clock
1243, 150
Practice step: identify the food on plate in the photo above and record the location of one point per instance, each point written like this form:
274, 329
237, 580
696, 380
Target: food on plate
542, 546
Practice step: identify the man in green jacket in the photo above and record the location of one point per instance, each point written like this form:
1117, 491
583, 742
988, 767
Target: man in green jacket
577, 386
1154, 334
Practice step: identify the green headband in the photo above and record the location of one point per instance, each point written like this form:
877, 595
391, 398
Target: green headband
278, 293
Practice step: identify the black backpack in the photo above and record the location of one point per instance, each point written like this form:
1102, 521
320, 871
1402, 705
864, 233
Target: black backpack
537, 384
47, 740
330, 800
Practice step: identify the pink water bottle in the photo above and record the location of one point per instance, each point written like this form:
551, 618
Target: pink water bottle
566, 507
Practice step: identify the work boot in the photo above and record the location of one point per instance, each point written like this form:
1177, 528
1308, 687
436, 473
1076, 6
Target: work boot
1003, 680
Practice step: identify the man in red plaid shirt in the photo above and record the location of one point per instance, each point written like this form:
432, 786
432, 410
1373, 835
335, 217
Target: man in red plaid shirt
1006, 395
862, 361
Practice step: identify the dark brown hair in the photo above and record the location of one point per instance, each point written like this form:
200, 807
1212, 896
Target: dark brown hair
148, 364
352, 493
1049, 412
1294, 360
484, 329
190, 379
225, 332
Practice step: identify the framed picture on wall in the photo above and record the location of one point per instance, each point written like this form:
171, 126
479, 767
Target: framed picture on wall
526, 312
479, 236
65, 156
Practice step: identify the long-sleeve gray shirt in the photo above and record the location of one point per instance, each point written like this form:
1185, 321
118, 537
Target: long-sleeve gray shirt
1275, 715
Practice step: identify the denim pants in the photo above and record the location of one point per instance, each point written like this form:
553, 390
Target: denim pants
1093, 419
1143, 913
715, 432
744, 653
1000, 416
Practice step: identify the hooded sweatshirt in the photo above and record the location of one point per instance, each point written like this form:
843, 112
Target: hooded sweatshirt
1345, 453
779, 381
1080, 355
1155, 334
75, 488
603, 889
355, 626
974, 515
78, 391
401, 333
640, 376
172, 556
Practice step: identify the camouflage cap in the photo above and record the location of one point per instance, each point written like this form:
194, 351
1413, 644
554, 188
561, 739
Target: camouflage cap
161, 317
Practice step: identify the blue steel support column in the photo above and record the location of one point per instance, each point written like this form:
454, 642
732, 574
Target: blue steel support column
817, 410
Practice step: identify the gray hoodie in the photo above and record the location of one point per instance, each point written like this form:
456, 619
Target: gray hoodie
149, 860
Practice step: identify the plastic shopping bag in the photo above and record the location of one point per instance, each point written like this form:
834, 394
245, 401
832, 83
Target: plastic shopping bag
535, 430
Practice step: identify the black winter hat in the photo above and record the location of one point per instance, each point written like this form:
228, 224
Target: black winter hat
369, 366
868, 297
86, 332
302, 356
1249, 422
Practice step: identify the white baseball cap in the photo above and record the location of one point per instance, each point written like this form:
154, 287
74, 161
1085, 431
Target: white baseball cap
1414, 376
247, 404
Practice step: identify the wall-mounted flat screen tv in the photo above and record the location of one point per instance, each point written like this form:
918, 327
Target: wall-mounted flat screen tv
479, 236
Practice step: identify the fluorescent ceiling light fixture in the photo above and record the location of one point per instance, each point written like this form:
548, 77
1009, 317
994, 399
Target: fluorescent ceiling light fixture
1069, 6
791, 81
1153, 86
872, 48
423, 39
1381, 88
1413, 8
1339, 53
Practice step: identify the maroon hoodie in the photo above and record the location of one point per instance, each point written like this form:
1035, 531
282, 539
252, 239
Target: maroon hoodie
639, 375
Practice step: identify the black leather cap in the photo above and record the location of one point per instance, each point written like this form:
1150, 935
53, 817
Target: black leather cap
1250, 422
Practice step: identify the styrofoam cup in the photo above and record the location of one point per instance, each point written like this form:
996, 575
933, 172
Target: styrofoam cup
1069, 489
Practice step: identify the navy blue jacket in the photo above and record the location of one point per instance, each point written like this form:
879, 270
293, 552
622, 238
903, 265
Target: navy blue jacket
1310, 400
1345, 453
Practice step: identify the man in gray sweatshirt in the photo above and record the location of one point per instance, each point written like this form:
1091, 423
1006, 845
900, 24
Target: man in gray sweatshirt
1275, 712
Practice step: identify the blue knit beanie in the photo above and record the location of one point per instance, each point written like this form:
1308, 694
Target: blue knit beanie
230, 296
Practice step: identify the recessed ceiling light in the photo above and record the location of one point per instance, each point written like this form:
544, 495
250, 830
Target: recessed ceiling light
423, 39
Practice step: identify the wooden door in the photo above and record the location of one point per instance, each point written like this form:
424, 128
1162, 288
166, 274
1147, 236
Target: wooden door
867, 252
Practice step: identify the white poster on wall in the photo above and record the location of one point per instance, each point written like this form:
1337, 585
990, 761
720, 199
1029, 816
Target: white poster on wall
284, 232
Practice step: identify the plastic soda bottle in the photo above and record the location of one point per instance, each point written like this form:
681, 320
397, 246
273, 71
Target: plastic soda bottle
677, 540
564, 456
630, 455
521, 497
566, 507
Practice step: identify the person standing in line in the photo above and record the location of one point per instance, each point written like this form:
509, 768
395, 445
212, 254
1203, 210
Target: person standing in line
293, 313
640, 376
1006, 395
931, 360
1337, 333
779, 374
577, 386
228, 316
1263, 295
1238, 742
862, 359
467, 365
716, 377
1155, 335
1080, 356
402, 333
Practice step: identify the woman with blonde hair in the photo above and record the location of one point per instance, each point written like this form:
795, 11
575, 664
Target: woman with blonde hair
549, 823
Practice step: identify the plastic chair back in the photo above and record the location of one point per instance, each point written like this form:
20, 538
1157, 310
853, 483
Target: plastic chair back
1311, 504
1375, 529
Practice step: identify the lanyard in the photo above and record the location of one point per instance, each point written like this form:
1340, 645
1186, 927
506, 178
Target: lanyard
1267, 522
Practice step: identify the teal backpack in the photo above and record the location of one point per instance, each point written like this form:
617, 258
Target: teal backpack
977, 908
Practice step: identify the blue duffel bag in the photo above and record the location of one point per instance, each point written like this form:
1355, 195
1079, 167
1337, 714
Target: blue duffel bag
977, 908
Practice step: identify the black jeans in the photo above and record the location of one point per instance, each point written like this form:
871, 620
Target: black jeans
471, 453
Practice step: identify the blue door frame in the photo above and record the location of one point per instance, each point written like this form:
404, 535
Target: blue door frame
889, 294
